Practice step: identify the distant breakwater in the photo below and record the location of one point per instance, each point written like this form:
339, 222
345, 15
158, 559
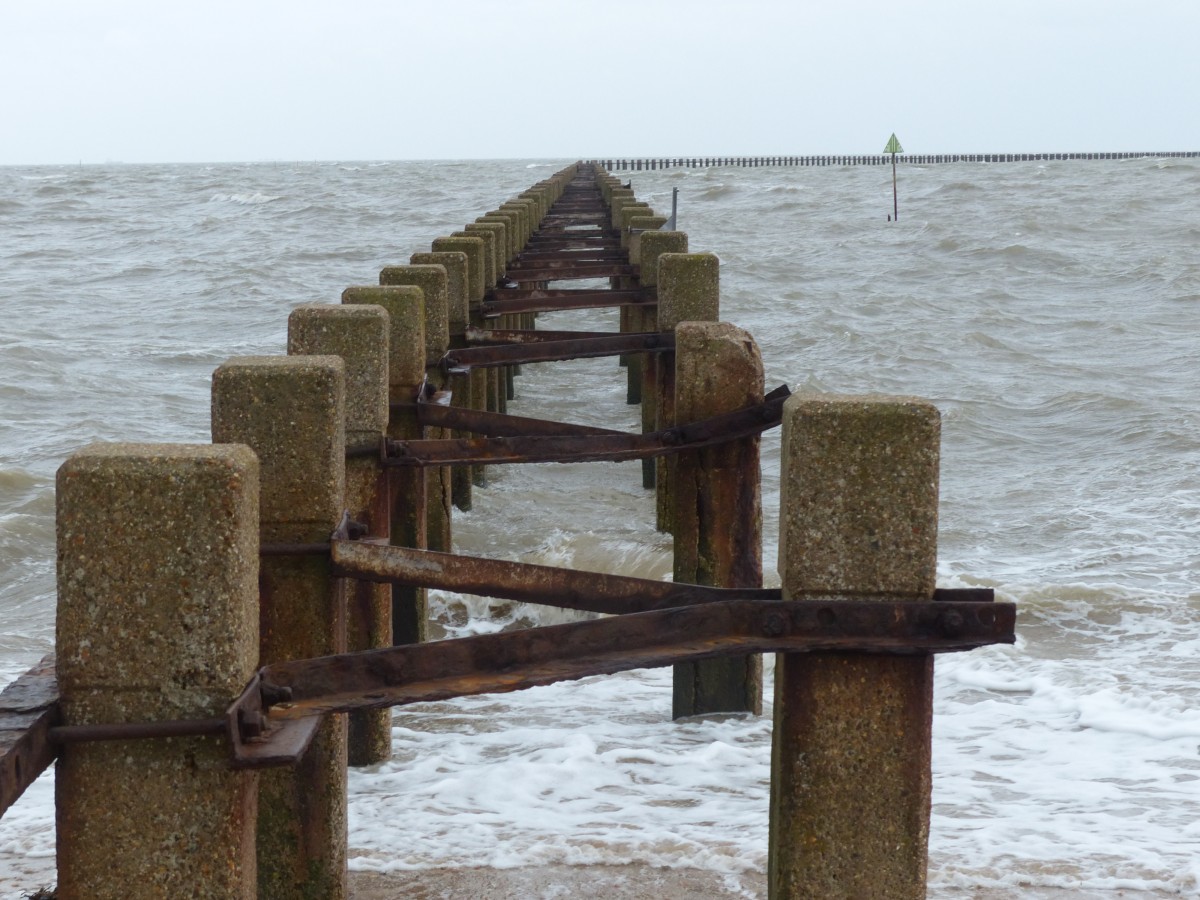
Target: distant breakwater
707, 162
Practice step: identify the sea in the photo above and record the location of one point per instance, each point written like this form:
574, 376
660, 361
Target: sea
1049, 309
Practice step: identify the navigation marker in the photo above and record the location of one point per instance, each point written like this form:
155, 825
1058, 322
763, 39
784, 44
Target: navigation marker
893, 147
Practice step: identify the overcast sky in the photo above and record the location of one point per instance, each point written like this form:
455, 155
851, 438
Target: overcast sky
163, 81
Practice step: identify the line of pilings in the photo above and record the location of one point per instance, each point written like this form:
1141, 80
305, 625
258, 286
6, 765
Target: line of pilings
170, 596
921, 159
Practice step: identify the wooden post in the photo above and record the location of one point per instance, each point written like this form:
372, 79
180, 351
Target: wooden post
718, 505
688, 291
157, 620
850, 773
359, 335
653, 245
290, 410
405, 305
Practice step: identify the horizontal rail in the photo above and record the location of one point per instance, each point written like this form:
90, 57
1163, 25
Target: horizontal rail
475, 335
515, 300
537, 656
555, 351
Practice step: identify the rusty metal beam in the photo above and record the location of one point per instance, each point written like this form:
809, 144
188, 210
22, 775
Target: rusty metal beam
554, 351
524, 274
28, 710
499, 424
505, 302
474, 335
744, 423
568, 294
538, 656
587, 254
545, 585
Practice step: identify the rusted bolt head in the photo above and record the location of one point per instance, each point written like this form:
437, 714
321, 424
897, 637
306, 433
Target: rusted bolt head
774, 625
952, 623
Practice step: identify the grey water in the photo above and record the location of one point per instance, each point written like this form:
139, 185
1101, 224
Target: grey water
1049, 310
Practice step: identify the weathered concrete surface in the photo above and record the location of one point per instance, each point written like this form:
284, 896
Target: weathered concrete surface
499, 232
653, 245
850, 780
717, 497
474, 248
434, 285
291, 411
157, 620
688, 291
406, 370
455, 263
359, 335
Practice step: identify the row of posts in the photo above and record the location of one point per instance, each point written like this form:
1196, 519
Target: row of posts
710, 162
167, 606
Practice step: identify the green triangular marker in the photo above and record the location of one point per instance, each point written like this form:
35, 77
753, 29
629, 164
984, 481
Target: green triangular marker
893, 145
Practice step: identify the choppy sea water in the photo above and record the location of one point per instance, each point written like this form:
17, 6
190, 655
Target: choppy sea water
1048, 309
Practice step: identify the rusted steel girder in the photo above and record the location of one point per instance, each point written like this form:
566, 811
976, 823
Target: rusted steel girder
524, 274
598, 592
587, 254
514, 300
493, 424
545, 585
28, 711
477, 336
574, 240
537, 656
591, 448
455, 361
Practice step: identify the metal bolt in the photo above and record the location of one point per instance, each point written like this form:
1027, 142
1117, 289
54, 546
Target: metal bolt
774, 625
952, 623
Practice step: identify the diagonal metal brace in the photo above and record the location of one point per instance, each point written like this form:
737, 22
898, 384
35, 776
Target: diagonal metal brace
743, 423
598, 592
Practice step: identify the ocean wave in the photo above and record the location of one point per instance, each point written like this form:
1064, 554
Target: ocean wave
245, 199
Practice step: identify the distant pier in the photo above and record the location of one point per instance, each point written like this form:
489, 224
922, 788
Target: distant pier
710, 162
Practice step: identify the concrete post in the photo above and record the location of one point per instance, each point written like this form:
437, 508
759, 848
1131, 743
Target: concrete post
499, 232
405, 305
494, 376
290, 410
850, 773
146, 631
637, 319
359, 335
499, 243
457, 290
718, 505
510, 220
434, 284
653, 245
637, 209
480, 384
688, 291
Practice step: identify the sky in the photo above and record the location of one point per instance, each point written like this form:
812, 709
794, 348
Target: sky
92, 81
